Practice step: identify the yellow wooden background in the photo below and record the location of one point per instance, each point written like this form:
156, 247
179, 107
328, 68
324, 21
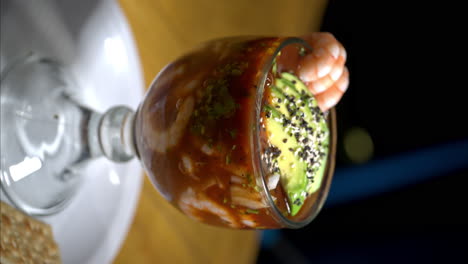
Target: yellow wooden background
163, 30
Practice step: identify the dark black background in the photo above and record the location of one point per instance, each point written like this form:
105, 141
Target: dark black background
408, 81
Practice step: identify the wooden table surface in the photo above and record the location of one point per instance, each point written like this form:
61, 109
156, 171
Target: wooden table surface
163, 30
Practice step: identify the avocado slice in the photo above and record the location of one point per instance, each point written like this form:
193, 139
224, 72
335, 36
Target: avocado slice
298, 139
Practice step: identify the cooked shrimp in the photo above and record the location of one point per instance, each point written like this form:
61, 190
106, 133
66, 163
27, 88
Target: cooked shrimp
321, 84
195, 205
185, 88
324, 70
332, 95
162, 140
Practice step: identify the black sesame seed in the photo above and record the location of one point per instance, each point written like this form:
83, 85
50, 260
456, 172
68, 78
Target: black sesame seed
297, 202
297, 135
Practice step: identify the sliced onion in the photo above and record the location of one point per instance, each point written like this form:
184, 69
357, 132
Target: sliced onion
249, 203
237, 179
207, 150
273, 181
187, 164
244, 197
186, 167
248, 222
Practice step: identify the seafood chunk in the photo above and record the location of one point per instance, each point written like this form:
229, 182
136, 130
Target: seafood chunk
196, 205
163, 140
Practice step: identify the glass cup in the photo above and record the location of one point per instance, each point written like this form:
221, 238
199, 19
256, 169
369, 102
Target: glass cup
198, 134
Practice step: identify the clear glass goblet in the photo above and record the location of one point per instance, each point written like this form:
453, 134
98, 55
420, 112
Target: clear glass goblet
199, 134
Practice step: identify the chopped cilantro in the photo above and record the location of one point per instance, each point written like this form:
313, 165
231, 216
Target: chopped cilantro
216, 103
232, 132
236, 72
249, 178
251, 211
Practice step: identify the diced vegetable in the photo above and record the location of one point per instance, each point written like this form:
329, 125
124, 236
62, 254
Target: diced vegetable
245, 197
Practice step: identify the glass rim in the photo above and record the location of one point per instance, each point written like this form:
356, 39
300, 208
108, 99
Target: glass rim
259, 170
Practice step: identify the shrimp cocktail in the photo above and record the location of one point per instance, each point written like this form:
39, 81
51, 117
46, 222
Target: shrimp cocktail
238, 132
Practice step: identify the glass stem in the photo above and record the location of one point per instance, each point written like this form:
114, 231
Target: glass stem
111, 134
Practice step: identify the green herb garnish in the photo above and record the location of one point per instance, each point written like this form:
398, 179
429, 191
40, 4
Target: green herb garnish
216, 103
233, 132
251, 211
249, 178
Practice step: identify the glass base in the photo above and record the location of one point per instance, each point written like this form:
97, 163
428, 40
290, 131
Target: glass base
40, 136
